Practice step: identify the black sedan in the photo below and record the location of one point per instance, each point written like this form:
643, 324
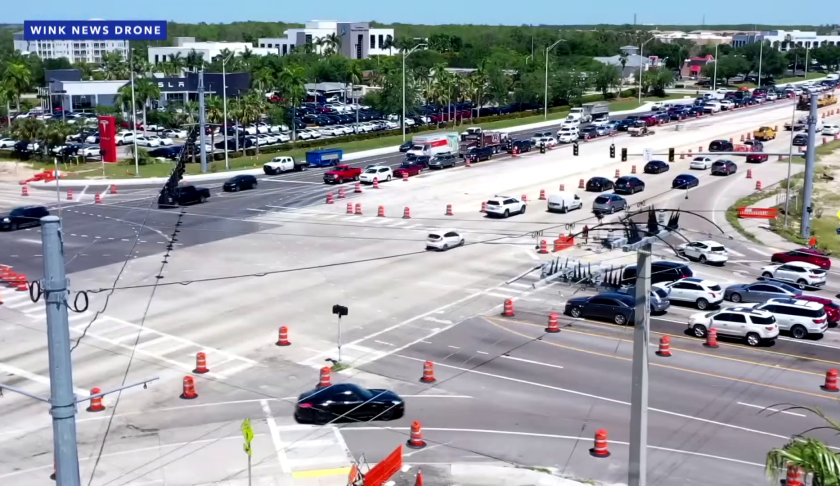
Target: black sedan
612, 306
656, 167
588, 133
724, 167
240, 182
347, 402
629, 185
721, 146
684, 181
406, 146
800, 140
599, 184
23, 217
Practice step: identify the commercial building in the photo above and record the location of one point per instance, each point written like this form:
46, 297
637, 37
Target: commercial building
632, 62
357, 39
700, 38
88, 51
785, 40
694, 66
178, 90
207, 50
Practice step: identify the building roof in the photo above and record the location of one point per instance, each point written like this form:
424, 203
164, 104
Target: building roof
632, 60
90, 88
326, 87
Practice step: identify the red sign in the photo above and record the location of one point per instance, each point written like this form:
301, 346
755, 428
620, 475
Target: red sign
107, 138
743, 148
385, 469
759, 213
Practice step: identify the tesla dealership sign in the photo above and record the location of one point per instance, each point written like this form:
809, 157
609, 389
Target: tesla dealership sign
107, 138
94, 30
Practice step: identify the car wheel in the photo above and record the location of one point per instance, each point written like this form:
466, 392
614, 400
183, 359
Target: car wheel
388, 179
14, 227
507, 213
522, 211
253, 185
202, 199
735, 298
702, 258
767, 275
799, 332
620, 319
235, 188
753, 339
702, 304
576, 312
699, 331
802, 284
612, 209
445, 247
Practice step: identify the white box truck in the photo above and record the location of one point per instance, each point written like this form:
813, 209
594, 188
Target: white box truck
589, 111
434, 144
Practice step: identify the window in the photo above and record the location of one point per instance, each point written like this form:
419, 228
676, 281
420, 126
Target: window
373, 42
262, 45
762, 321
451, 234
602, 301
766, 288
157, 58
359, 40
285, 46
381, 43
738, 318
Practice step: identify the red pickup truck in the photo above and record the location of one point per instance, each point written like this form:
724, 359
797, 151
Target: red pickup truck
341, 173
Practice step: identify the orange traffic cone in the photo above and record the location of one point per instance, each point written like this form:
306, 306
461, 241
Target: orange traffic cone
324, 380
97, 199
201, 364
381, 212
376, 183
601, 448
330, 199
95, 403
358, 208
428, 372
189, 389
542, 194
69, 194
24, 191
283, 337
113, 188
407, 213
358, 188
449, 210
416, 439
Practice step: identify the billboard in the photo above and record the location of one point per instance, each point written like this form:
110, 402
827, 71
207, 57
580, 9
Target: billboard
94, 30
107, 138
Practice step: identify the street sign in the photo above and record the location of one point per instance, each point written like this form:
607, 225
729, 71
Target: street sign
248, 434
648, 154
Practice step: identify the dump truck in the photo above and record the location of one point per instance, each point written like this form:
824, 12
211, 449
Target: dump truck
475, 137
823, 100
589, 111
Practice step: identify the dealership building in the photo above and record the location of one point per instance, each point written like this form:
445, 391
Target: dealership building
785, 40
358, 39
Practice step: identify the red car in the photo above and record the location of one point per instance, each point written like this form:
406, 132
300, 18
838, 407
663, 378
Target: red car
408, 168
832, 310
808, 255
649, 120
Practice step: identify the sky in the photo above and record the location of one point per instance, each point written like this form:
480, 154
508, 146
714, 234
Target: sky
491, 12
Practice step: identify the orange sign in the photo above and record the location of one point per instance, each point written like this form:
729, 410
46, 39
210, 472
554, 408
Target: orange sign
385, 469
743, 148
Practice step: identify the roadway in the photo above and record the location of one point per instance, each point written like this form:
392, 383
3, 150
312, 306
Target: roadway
502, 394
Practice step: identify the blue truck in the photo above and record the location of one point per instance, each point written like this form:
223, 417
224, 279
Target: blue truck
324, 157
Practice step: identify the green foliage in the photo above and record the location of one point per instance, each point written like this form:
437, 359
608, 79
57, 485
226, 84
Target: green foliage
727, 67
605, 78
655, 80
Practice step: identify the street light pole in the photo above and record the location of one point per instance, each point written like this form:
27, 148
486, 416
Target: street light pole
224, 110
406, 54
545, 99
134, 115
760, 55
641, 65
790, 160
714, 78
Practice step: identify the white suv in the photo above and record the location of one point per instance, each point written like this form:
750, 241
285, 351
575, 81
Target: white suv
381, 173
800, 317
702, 163
535, 140
755, 325
704, 251
802, 274
701, 293
568, 135
504, 206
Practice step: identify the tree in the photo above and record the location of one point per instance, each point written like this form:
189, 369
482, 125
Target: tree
194, 60
727, 67
28, 130
18, 79
253, 105
811, 454
566, 86
55, 134
332, 42
605, 78
263, 79
656, 80
85, 68
354, 77
6, 96
389, 44
145, 90
292, 82
477, 88
622, 59
214, 110
113, 66
498, 84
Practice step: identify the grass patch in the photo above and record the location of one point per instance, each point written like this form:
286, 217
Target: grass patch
339, 366
633, 103
823, 226
747, 201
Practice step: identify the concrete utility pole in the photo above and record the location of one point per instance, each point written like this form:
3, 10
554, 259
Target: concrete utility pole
201, 121
639, 390
810, 155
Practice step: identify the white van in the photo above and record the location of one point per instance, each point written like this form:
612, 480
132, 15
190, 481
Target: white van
564, 202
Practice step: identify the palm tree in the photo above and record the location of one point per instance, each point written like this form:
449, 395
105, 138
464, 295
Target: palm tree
168, 68
18, 79
622, 59
292, 82
178, 61
55, 134
245, 58
477, 87
333, 43
6, 95
28, 130
235, 114
808, 453
354, 77
113, 66
263, 79
85, 68
252, 109
214, 110
319, 43
145, 90
141, 66
389, 44
194, 60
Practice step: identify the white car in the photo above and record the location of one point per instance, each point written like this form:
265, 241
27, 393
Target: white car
278, 165
304, 134
504, 206
164, 141
828, 129
92, 139
381, 173
726, 104
346, 129
567, 135
754, 325
704, 251
771, 96
175, 133
314, 133
269, 139
263, 127
444, 240
147, 141
154, 128
802, 274
278, 128
283, 137
711, 106
702, 163
548, 141
256, 140
601, 122
331, 131
7, 142
799, 317
535, 140
702, 293
251, 130
123, 138
89, 151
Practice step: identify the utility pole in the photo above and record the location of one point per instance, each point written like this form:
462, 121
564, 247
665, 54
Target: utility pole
805, 230
639, 387
201, 121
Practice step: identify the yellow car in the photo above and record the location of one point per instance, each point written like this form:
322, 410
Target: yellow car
764, 134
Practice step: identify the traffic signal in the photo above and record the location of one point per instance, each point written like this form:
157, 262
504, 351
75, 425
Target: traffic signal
671, 154
575, 149
612, 151
624, 155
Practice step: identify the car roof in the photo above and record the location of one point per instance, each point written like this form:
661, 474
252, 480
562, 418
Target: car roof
796, 302
377, 167
802, 264
748, 310
708, 242
615, 295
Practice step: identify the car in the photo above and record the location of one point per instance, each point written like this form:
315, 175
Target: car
477, 154
800, 140
303, 135
23, 217
175, 133
567, 135
678, 114
599, 184
379, 173
799, 317
601, 122
613, 306
656, 167
171, 152
190, 194
625, 123
756, 326
701, 163
602, 131
7, 142
91, 151
547, 141
659, 302
283, 137
828, 129
832, 310
721, 146
504, 206
704, 251
700, 292
535, 140
695, 111
408, 169
147, 141
724, 167
93, 138
804, 275
266, 139
649, 120
685, 181
726, 105
660, 271
563, 202
442, 161
443, 240
711, 106
522, 145
588, 132
240, 182
759, 292
341, 173
809, 255
628, 185
164, 141
765, 134
608, 203
348, 402
406, 146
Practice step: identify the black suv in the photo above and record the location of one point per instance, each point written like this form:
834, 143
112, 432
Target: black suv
240, 182
23, 217
662, 271
189, 194
477, 154
523, 145
721, 146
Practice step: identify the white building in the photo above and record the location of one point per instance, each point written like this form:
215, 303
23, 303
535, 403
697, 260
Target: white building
208, 50
88, 51
785, 40
358, 39
697, 37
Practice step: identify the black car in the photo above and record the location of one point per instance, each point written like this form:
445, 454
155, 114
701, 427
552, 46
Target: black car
240, 182
348, 403
721, 146
684, 181
522, 145
626, 123
629, 185
442, 161
477, 154
23, 217
656, 167
695, 110
800, 140
678, 114
588, 132
406, 146
755, 145
661, 271
612, 306
169, 152
189, 194
599, 184
724, 167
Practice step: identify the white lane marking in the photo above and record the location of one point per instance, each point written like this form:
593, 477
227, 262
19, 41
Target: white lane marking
551, 436
531, 362
481, 352
520, 285
454, 347
340, 439
436, 396
12, 370
275, 437
503, 296
596, 397
771, 409
257, 210
27, 240
761, 252
383, 343
437, 321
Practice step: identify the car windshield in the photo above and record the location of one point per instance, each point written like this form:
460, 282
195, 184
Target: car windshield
662, 293
714, 288
718, 248
602, 200
433, 236
16, 212
493, 203
371, 171
762, 320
